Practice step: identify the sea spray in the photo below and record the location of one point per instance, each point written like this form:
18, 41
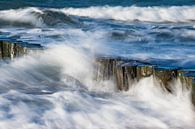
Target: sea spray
38, 95
57, 87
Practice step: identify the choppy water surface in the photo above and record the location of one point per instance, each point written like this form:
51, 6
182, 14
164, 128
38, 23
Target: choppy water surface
55, 88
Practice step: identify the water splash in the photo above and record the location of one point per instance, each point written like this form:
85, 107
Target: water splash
55, 88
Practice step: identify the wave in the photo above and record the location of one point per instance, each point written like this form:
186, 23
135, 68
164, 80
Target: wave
34, 17
132, 13
36, 93
40, 17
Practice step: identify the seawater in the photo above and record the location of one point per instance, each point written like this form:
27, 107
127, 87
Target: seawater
55, 88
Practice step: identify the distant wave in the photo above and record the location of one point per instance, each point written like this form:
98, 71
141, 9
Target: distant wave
148, 14
34, 17
38, 17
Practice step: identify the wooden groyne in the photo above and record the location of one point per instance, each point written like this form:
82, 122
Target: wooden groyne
10, 50
126, 72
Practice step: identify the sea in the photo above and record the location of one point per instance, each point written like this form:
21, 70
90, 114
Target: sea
55, 88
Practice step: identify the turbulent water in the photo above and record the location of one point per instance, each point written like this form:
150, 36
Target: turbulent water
55, 88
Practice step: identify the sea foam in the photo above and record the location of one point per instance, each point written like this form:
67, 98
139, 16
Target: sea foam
40, 17
40, 92
148, 14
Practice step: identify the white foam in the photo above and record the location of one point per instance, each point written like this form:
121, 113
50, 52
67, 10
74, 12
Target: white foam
144, 106
27, 15
132, 13
149, 14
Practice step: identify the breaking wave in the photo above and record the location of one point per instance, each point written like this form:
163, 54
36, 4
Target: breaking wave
148, 14
55, 89
41, 17
34, 17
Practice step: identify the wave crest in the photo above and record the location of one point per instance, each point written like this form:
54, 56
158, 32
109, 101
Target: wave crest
34, 17
148, 14
43, 17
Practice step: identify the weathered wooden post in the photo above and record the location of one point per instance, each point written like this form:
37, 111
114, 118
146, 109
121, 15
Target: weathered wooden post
10, 50
126, 72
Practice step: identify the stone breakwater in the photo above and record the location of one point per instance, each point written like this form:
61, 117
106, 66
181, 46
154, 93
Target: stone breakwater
126, 72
